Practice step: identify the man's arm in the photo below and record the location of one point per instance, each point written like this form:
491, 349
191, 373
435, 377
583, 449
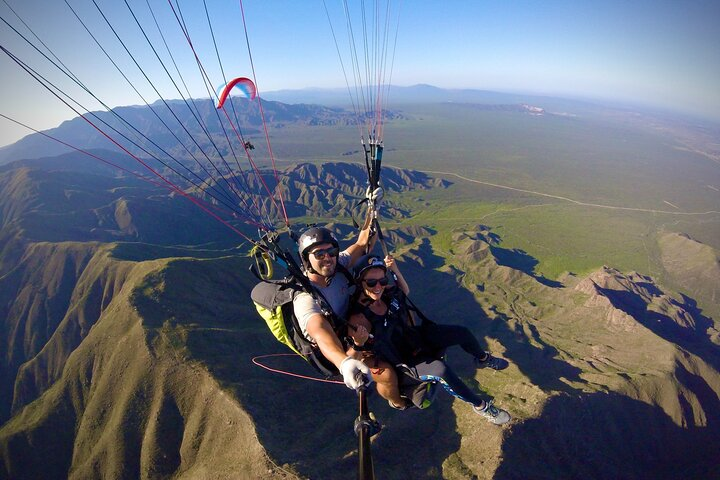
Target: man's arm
327, 341
364, 243
355, 373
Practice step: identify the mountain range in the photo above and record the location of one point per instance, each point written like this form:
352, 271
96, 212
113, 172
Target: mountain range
127, 336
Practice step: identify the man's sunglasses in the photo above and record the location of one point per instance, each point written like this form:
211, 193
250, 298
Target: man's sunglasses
371, 282
320, 254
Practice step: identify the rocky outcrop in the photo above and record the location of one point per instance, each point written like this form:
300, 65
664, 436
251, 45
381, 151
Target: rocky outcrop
36, 295
634, 299
333, 189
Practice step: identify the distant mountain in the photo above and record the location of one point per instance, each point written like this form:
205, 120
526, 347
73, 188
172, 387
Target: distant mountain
183, 137
336, 189
75, 198
415, 94
70, 203
174, 128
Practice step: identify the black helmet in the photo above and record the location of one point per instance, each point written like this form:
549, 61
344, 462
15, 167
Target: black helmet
314, 236
366, 263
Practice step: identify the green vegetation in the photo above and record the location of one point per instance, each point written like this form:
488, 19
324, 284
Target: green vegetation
561, 238
574, 239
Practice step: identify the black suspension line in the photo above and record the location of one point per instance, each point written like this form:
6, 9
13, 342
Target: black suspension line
172, 57
220, 63
187, 132
342, 65
167, 127
232, 103
211, 92
67, 72
200, 122
171, 185
262, 116
206, 80
57, 92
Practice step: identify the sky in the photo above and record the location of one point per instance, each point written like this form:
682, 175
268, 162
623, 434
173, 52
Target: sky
659, 53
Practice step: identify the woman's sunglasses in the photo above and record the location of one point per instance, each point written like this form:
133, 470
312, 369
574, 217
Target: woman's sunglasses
320, 254
371, 282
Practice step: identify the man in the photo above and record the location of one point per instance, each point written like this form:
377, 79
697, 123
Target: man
320, 254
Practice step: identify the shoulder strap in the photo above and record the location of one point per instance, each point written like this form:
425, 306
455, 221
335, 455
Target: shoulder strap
322, 301
348, 276
414, 308
327, 310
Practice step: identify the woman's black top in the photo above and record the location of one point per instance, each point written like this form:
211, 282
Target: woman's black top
395, 338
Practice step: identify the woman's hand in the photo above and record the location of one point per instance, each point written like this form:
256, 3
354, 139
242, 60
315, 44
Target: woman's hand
390, 263
399, 279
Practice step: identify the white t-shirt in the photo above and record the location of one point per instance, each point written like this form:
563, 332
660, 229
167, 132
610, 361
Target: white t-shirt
337, 294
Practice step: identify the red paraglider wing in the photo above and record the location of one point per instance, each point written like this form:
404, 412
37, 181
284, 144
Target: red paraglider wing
243, 84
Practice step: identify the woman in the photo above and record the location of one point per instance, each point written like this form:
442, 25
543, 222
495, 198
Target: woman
381, 325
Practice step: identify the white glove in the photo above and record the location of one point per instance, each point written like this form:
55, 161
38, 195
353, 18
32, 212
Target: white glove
353, 371
375, 196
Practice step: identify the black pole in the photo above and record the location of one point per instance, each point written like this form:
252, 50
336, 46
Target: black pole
362, 429
376, 165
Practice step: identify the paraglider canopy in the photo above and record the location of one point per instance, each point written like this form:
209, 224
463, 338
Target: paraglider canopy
245, 85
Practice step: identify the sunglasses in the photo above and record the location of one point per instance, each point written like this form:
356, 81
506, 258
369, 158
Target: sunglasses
374, 281
321, 254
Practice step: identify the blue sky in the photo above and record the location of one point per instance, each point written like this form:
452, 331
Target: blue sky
659, 53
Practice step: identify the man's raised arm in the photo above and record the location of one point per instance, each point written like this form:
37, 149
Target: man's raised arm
365, 241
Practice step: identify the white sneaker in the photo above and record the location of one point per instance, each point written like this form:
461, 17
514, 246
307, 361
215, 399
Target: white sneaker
495, 415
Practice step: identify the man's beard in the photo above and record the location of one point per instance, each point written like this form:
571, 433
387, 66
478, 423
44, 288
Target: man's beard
326, 270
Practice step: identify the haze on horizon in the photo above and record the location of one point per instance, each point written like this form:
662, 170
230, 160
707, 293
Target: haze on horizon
663, 54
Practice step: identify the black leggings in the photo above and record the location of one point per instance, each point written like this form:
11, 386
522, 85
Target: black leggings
439, 337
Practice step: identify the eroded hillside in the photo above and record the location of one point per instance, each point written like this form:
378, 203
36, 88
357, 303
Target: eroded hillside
130, 402
694, 268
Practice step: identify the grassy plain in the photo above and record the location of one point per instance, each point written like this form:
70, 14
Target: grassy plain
561, 238
575, 189
588, 157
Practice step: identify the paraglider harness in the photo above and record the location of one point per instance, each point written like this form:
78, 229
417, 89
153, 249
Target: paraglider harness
273, 300
398, 338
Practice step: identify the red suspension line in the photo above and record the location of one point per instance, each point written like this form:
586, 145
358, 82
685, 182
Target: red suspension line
206, 77
262, 116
